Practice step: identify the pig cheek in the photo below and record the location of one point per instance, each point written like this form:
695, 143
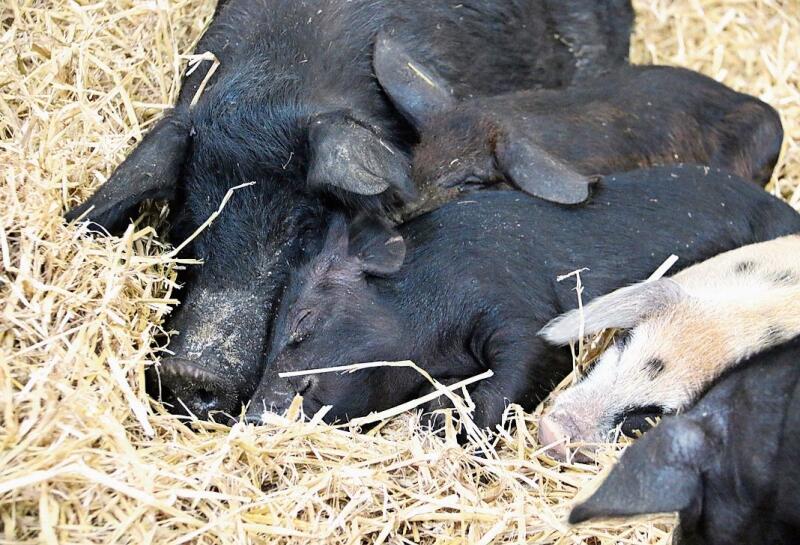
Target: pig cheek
345, 393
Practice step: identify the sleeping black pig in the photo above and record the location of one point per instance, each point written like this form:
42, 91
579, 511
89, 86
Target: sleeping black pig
467, 287
294, 106
552, 143
729, 465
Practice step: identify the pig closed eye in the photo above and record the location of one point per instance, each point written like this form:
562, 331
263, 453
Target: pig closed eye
462, 182
301, 327
471, 181
623, 338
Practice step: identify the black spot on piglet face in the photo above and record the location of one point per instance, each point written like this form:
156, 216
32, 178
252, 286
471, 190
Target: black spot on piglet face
639, 419
654, 367
745, 267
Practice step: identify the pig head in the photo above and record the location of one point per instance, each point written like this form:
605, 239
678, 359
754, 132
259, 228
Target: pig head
222, 326
728, 465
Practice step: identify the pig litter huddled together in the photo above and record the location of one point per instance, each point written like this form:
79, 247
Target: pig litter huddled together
410, 179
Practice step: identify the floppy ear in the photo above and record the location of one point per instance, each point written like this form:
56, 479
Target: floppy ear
623, 309
536, 172
151, 171
348, 155
417, 91
658, 474
378, 248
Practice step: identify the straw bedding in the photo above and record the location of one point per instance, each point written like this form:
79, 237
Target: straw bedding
86, 457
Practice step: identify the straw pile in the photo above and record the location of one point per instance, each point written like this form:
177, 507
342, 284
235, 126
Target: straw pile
86, 457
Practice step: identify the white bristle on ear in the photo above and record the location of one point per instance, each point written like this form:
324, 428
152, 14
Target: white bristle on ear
562, 330
622, 308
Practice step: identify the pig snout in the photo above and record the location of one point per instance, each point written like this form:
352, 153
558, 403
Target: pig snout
277, 401
557, 429
273, 395
188, 386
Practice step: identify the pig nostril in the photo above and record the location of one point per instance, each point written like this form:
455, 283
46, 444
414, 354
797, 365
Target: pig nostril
301, 384
556, 432
551, 433
253, 419
205, 397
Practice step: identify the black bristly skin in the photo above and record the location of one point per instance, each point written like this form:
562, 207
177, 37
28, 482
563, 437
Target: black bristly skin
478, 282
741, 461
631, 117
294, 106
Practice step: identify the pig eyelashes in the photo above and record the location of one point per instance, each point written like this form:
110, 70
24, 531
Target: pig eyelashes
301, 326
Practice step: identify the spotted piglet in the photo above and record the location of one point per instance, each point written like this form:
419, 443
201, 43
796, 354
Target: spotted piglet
680, 334
728, 466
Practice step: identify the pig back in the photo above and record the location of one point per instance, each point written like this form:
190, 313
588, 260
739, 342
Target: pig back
629, 226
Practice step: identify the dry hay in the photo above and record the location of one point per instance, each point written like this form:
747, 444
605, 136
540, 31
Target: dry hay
86, 457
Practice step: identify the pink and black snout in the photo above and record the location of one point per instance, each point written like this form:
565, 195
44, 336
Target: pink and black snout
583, 428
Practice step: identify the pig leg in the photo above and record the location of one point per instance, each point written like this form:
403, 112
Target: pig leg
525, 370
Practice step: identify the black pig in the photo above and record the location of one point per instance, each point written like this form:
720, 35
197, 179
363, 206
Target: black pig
729, 465
551, 143
478, 283
294, 106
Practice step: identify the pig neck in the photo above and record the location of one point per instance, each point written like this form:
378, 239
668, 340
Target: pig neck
423, 306
393, 299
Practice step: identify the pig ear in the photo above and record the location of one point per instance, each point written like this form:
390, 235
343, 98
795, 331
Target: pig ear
622, 309
378, 248
538, 173
417, 91
658, 474
348, 155
151, 171
336, 239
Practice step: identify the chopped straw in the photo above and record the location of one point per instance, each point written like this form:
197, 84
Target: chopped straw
87, 457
